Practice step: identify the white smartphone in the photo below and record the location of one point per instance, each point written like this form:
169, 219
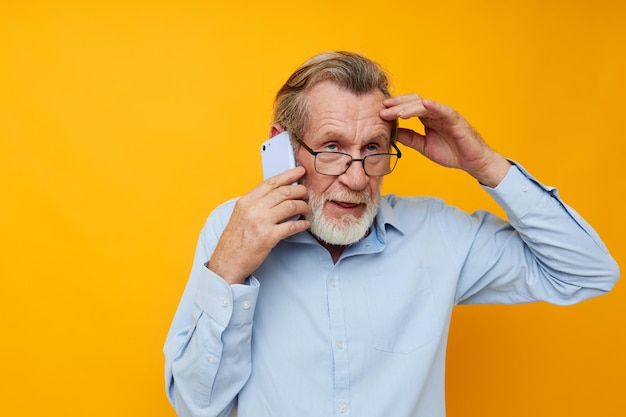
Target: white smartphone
277, 155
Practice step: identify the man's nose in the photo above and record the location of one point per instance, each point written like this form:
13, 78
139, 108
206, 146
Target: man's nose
355, 177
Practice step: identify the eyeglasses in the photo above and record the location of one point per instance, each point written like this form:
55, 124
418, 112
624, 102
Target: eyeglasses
337, 163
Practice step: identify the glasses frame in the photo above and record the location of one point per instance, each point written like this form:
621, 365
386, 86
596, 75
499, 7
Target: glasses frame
362, 160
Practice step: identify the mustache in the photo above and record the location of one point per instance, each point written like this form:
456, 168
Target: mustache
351, 197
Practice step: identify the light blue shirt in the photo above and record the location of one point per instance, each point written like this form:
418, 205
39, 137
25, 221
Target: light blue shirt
366, 337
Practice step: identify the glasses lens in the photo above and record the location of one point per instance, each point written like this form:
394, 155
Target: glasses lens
332, 163
376, 165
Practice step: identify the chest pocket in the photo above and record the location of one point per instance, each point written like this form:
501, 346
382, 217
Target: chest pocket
402, 312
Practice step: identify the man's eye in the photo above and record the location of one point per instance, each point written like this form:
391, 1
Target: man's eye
331, 148
373, 148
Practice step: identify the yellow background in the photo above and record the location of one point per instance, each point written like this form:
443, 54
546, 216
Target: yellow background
124, 123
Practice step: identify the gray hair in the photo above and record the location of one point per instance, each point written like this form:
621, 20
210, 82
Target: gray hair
348, 70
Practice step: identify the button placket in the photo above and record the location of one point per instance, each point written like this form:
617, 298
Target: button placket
341, 368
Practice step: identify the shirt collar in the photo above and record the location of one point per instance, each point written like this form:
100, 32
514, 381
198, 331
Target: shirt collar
387, 216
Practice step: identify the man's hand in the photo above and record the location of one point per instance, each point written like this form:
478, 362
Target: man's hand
448, 138
256, 225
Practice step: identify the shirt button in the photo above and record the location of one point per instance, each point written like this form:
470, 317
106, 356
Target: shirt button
342, 408
524, 188
245, 305
224, 302
340, 344
212, 359
333, 283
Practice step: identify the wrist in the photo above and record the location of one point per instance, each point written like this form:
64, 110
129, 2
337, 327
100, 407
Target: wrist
225, 273
493, 172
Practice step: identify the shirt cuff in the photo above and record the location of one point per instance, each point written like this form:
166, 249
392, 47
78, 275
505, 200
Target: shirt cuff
518, 193
228, 305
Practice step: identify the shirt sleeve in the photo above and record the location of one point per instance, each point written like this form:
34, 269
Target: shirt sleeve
207, 350
546, 252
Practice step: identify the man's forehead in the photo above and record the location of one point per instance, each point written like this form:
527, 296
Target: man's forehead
329, 103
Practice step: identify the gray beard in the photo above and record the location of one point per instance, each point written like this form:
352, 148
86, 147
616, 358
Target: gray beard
347, 229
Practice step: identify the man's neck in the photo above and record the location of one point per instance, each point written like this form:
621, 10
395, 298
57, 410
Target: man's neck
336, 250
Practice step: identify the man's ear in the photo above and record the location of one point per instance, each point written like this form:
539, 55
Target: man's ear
276, 129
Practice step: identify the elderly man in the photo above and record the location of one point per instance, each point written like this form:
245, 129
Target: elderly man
346, 309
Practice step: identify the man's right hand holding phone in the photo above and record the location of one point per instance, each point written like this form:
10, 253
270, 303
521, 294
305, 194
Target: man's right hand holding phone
257, 225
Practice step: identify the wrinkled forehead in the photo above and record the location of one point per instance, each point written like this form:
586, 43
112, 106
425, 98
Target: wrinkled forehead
332, 108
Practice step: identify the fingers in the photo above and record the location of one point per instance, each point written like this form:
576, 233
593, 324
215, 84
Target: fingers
403, 107
284, 178
286, 208
412, 105
276, 199
411, 139
279, 198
